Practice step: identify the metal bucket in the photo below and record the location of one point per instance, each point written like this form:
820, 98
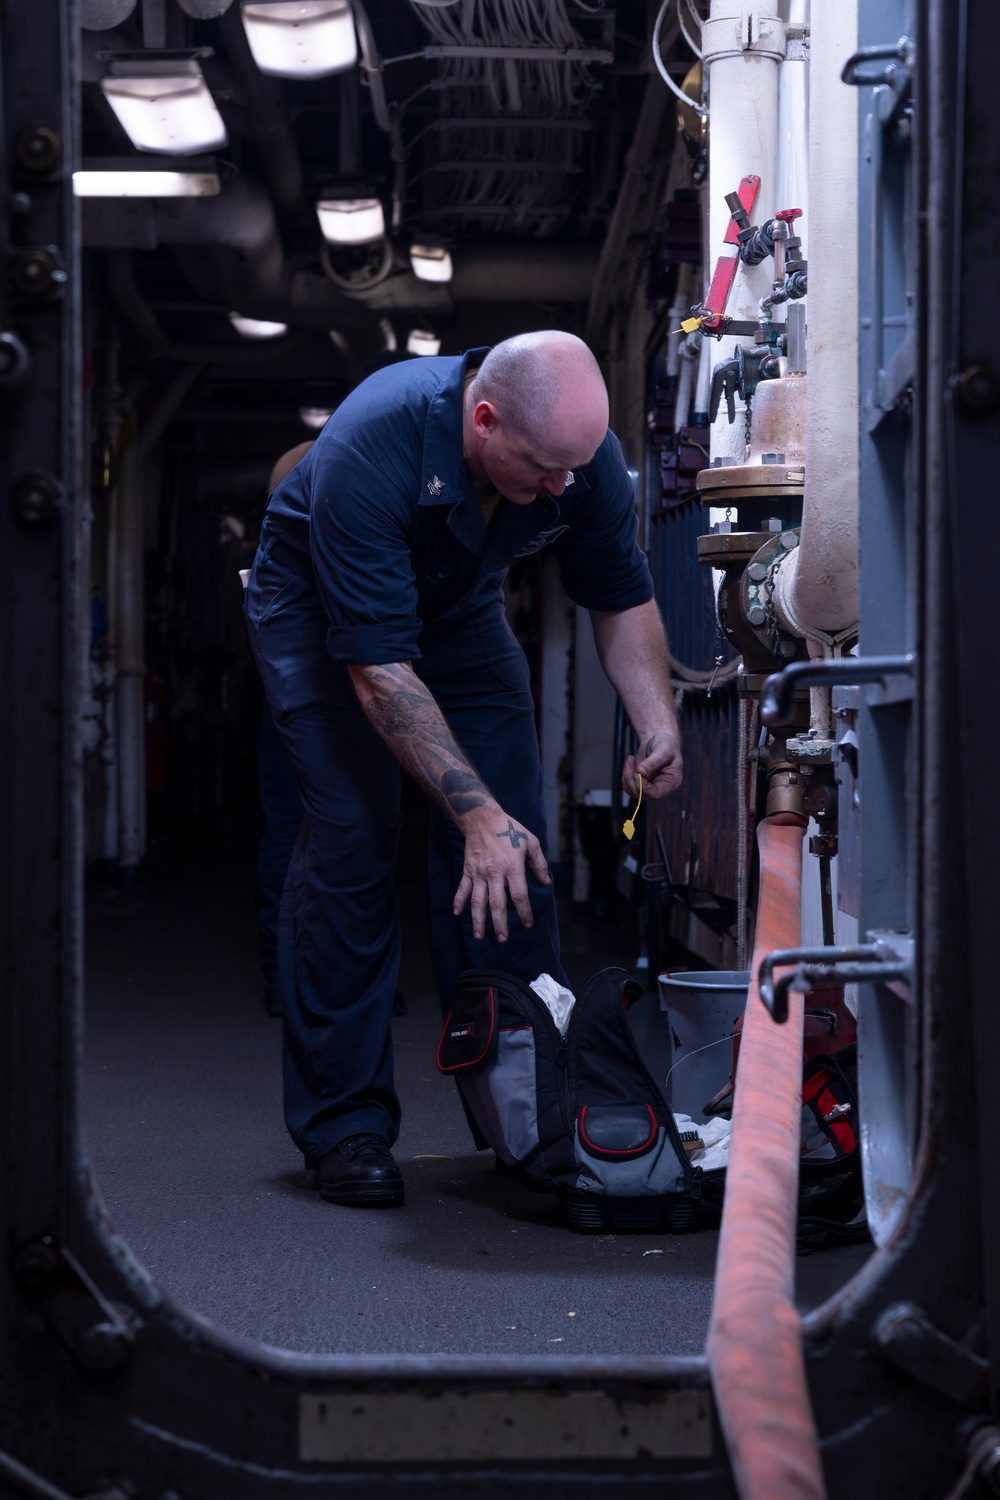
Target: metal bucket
703, 1007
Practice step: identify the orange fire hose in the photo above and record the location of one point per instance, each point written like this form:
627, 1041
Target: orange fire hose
755, 1338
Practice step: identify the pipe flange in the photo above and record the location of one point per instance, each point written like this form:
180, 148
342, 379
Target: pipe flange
756, 599
745, 34
726, 549
750, 480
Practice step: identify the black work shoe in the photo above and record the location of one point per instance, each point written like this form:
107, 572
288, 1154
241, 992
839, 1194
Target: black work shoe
360, 1171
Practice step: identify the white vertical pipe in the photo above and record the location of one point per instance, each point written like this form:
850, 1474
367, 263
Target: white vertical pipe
703, 385
681, 358
679, 310
816, 590
742, 49
793, 132
682, 409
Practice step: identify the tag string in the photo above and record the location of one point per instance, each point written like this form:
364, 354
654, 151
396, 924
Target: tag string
628, 827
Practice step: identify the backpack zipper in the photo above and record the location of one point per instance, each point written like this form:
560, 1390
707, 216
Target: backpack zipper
532, 1003
689, 1173
568, 1079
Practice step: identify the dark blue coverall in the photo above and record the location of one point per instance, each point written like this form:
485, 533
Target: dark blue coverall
374, 550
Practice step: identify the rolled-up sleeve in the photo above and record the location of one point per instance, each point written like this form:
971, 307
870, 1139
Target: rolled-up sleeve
361, 558
599, 556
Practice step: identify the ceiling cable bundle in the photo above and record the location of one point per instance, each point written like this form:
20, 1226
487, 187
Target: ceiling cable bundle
513, 178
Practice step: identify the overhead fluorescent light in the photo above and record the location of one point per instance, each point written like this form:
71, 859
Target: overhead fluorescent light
163, 104
301, 38
351, 221
430, 262
256, 328
422, 341
315, 416
111, 182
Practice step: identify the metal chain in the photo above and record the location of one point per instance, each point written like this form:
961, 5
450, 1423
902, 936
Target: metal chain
746, 427
773, 629
720, 656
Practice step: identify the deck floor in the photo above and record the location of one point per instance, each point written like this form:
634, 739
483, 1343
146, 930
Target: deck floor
182, 1113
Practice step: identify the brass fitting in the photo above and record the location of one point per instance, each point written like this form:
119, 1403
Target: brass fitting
785, 790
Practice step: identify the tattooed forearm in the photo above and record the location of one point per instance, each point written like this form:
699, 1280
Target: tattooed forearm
406, 716
463, 790
394, 715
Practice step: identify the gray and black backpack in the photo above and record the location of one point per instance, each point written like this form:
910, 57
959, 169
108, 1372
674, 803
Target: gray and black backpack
579, 1115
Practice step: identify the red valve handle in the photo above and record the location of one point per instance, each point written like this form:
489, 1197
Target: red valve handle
787, 215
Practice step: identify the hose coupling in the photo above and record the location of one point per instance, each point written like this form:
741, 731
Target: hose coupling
785, 792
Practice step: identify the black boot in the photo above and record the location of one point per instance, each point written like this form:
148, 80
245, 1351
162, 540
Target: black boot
360, 1171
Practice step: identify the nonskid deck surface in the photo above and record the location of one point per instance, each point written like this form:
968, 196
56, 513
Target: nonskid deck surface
182, 1112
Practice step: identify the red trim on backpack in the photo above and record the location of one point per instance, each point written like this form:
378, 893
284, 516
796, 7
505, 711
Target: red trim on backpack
816, 1091
469, 1062
618, 1151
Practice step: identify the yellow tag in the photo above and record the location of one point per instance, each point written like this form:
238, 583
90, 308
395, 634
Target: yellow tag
628, 827
691, 325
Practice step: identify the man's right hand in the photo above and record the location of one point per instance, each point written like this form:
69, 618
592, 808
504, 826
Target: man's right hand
497, 847
497, 850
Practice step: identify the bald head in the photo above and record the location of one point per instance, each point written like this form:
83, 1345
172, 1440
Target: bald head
546, 386
537, 409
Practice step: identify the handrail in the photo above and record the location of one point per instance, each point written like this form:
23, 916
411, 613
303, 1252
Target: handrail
779, 690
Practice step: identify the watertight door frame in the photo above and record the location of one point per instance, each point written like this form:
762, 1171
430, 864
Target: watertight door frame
110, 1386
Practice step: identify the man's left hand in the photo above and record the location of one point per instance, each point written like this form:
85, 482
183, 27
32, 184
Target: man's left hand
658, 762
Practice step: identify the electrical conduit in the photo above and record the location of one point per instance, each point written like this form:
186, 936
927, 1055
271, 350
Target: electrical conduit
754, 1342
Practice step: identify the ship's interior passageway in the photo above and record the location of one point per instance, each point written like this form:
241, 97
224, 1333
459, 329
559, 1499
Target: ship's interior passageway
182, 1115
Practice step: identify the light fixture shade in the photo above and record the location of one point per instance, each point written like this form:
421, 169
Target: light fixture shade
102, 15
256, 328
430, 262
165, 106
422, 341
301, 38
205, 10
109, 182
315, 416
351, 221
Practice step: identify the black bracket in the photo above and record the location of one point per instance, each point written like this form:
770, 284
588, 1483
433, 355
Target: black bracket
831, 968
905, 1337
97, 1332
725, 382
777, 699
892, 54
